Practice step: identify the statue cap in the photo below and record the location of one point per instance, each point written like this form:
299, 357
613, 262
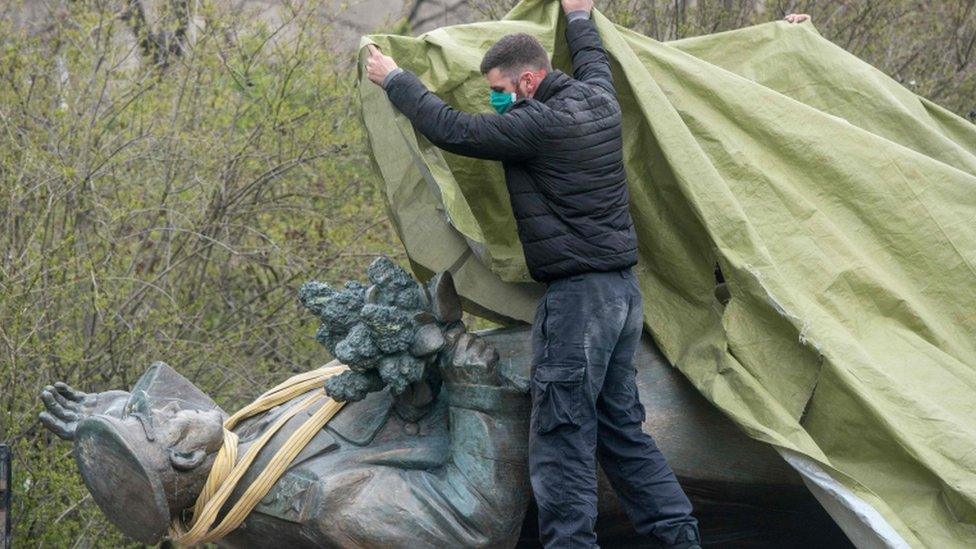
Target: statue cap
104, 454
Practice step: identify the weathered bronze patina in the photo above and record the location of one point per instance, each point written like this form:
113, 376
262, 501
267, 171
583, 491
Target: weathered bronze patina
429, 451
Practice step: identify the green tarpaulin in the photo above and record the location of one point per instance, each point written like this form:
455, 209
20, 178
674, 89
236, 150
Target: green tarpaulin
838, 204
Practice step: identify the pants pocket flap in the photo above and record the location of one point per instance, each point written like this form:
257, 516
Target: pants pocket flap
560, 371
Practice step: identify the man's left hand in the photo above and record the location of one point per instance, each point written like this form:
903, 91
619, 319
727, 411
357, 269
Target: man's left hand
378, 65
570, 6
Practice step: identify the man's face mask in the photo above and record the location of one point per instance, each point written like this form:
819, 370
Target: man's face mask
501, 101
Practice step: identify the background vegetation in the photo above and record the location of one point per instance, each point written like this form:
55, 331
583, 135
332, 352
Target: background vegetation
167, 183
163, 201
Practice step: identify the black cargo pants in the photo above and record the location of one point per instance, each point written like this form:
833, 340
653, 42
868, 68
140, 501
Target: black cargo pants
585, 405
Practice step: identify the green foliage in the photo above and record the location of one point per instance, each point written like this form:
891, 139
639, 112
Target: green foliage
166, 213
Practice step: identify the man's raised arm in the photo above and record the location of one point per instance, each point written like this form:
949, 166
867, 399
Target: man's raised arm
512, 136
590, 61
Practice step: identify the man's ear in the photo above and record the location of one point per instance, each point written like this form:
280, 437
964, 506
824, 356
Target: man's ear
522, 81
537, 77
186, 461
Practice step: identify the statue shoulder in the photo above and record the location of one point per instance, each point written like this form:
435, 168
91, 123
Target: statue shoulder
294, 497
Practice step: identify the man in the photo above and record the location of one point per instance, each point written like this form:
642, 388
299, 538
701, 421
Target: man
559, 139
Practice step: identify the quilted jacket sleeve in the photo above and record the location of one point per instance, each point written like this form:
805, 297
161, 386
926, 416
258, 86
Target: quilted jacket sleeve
513, 136
590, 61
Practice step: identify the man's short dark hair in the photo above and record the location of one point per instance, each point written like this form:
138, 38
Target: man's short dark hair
515, 52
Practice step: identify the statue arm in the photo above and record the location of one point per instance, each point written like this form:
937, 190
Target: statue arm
477, 498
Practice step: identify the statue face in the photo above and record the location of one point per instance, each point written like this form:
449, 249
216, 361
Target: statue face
141, 468
144, 454
188, 436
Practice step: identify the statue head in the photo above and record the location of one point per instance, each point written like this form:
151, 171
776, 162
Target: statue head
149, 463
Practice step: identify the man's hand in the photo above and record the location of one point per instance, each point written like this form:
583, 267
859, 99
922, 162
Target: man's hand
378, 65
576, 5
797, 17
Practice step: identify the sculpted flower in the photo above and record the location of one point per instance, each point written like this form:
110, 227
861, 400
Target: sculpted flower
388, 333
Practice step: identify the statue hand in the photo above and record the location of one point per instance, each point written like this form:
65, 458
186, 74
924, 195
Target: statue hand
65, 407
473, 361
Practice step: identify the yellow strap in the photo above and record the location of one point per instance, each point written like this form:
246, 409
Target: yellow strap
227, 471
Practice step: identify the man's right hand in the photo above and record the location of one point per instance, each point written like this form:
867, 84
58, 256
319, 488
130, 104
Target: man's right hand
378, 65
577, 5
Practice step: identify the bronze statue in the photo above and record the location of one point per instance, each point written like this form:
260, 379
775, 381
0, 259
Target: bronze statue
429, 451
432, 449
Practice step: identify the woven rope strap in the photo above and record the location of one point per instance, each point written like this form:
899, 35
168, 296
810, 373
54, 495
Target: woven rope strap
227, 470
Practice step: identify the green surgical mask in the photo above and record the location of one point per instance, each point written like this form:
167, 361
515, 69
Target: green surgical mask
502, 100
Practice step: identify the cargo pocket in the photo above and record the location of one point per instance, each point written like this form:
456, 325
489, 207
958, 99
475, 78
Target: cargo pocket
557, 393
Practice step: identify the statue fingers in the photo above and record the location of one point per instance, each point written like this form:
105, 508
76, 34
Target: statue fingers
60, 428
70, 393
62, 400
55, 408
47, 397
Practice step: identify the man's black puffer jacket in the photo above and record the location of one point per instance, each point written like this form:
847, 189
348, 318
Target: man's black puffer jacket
562, 154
